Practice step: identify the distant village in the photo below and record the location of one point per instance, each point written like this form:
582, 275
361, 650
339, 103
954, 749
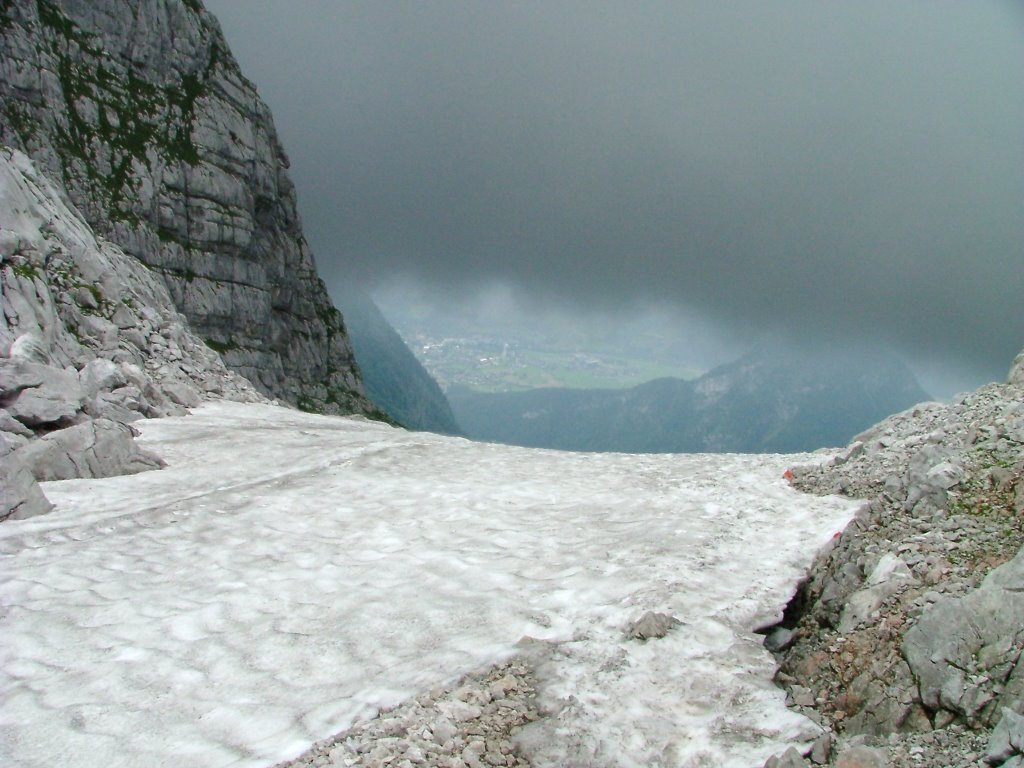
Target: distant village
489, 364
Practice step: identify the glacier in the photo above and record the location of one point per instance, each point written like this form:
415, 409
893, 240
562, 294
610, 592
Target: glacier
290, 574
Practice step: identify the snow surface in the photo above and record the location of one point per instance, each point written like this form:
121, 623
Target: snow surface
289, 574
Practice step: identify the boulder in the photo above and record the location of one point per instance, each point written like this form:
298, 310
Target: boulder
821, 749
964, 651
791, 758
1007, 738
39, 395
931, 472
862, 757
886, 691
97, 448
181, 393
13, 427
20, 494
889, 576
121, 406
100, 375
651, 626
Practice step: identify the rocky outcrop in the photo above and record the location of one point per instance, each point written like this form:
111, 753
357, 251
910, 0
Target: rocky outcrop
96, 448
965, 652
89, 341
20, 494
137, 109
906, 636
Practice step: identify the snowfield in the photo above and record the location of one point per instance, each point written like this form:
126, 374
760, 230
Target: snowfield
289, 574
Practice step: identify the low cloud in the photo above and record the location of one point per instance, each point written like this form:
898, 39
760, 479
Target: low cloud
835, 172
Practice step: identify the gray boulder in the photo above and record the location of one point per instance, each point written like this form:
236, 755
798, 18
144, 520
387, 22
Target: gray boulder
100, 375
13, 429
931, 472
964, 651
20, 494
39, 395
97, 448
862, 757
791, 758
651, 626
1007, 738
887, 578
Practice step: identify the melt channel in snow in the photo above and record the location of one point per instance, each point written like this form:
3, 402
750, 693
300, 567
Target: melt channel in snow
290, 574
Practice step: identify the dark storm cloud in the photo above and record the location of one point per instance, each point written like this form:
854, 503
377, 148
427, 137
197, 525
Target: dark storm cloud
824, 169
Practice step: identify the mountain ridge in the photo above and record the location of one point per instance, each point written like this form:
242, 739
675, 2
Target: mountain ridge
774, 400
394, 379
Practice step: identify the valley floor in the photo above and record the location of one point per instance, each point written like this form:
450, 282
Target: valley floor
290, 575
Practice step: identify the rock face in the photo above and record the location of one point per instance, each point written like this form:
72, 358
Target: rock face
89, 341
908, 629
137, 110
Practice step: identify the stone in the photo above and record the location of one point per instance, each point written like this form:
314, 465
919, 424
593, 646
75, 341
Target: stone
791, 758
888, 706
821, 749
42, 220
100, 375
39, 395
778, 639
460, 711
13, 427
802, 696
938, 661
1012, 696
97, 448
20, 494
930, 472
945, 648
17, 374
862, 757
1007, 738
651, 626
181, 393
443, 730
114, 407
888, 577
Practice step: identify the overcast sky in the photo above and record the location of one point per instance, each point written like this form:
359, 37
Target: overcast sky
827, 171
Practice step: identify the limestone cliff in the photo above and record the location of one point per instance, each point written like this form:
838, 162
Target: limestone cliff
89, 342
138, 110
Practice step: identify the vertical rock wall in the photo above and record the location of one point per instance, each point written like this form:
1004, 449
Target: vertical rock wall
138, 109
